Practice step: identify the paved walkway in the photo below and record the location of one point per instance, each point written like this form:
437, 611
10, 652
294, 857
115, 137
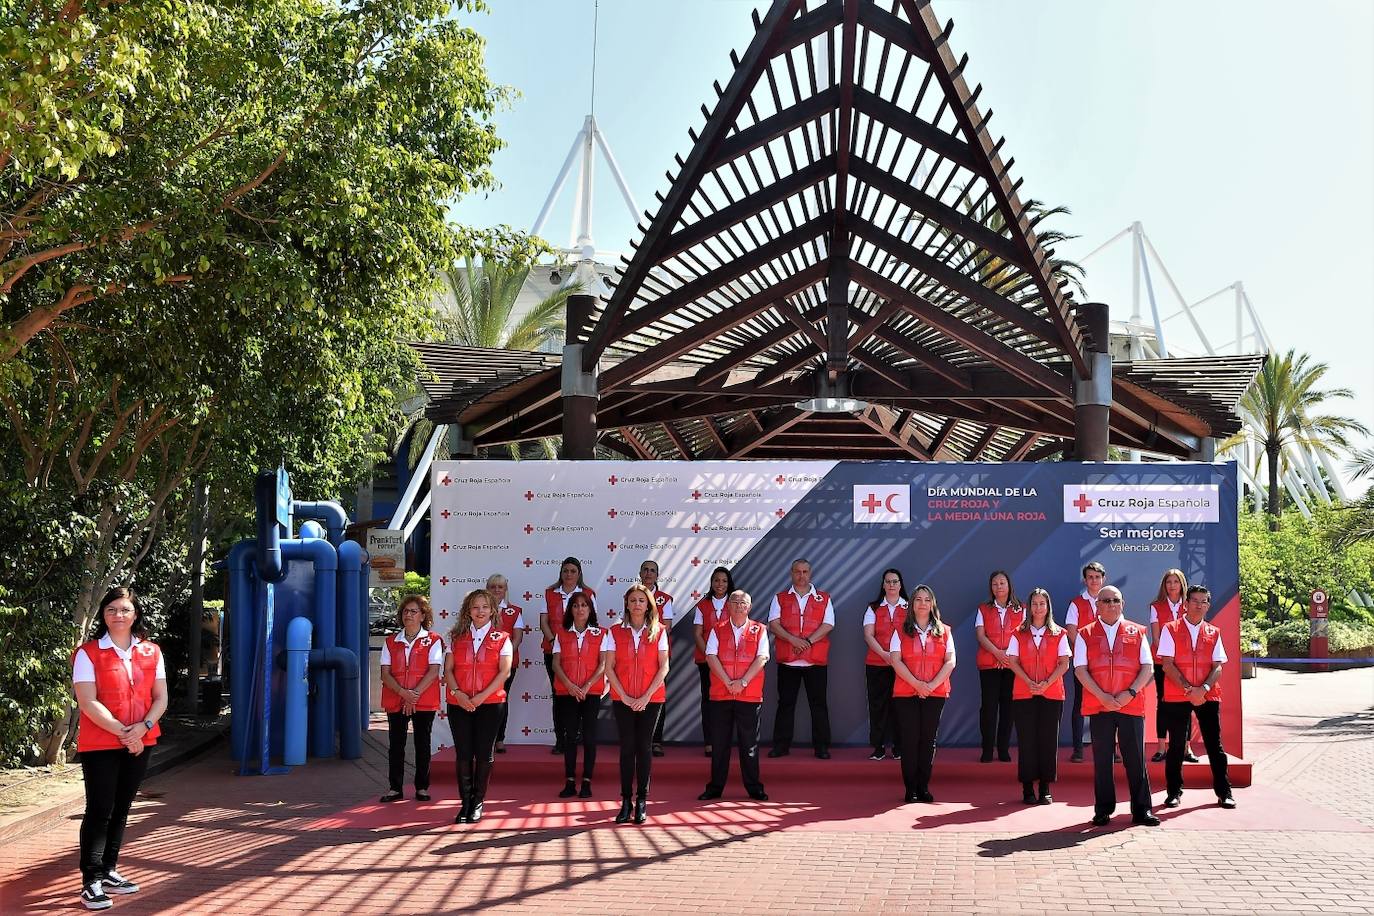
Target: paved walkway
216, 842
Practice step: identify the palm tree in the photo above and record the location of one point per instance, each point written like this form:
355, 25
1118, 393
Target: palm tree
1359, 524
1281, 409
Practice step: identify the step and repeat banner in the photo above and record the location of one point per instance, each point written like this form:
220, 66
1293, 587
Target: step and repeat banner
946, 525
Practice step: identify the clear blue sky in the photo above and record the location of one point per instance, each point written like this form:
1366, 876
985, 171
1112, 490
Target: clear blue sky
1239, 132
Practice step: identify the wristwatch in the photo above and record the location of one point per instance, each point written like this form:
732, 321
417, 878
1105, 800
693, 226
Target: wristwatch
148, 724
1131, 691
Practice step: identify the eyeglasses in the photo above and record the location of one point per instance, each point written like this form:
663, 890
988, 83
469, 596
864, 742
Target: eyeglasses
1108, 600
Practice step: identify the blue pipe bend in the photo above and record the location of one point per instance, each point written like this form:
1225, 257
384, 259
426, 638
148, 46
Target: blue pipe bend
331, 513
344, 664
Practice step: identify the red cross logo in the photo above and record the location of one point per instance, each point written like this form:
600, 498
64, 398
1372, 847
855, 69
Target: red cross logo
528, 596
696, 561
445, 513
871, 503
528, 564
443, 580
611, 546
612, 479
780, 513
695, 594
529, 495
442, 715
529, 529
446, 480
443, 613
779, 479
696, 529
1083, 503
525, 696
696, 494
610, 580
444, 547
525, 731
525, 663
611, 513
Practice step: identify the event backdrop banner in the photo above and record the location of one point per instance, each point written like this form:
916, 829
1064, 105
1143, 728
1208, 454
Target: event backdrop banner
947, 525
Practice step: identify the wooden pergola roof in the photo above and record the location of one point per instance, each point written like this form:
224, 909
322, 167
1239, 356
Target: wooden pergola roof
844, 221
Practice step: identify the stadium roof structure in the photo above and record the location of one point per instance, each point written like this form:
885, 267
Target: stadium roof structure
845, 227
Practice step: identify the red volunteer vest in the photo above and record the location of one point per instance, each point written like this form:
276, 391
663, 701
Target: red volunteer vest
922, 661
636, 666
579, 663
1038, 662
1194, 661
509, 620
474, 670
1086, 613
997, 632
1163, 615
553, 606
884, 624
709, 621
801, 621
414, 665
1113, 668
737, 659
127, 702
661, 598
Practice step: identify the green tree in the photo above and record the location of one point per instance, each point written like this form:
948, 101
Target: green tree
1283, 407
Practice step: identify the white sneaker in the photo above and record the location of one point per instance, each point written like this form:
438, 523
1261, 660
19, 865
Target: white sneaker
115, 883
93, 896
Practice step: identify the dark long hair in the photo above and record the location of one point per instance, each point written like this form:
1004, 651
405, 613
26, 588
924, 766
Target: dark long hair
568, 614
937, 626
729, 582
1012, 600
567, 561
882, 593
139, 628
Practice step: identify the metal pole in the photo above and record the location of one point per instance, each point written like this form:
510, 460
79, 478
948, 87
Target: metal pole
418, 478
558, 184
1092, 397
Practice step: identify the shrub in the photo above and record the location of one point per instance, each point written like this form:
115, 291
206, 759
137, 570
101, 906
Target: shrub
1290, 639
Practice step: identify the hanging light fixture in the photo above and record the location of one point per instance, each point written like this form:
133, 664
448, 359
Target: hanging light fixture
832, 397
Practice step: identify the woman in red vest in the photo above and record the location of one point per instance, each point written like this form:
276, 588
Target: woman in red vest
881, 619
1167, 607
121, 689
636, 666
551, 621
411, 663
1038, 655
922, 654
997, 619
579, 668
511, 619
706, 616
475, 671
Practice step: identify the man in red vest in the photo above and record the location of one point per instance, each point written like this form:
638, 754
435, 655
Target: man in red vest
1191, 652
1082, 611
736, 652
801, 619
1112, 661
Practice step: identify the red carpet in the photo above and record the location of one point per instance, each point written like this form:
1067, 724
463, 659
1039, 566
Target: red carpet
846, 793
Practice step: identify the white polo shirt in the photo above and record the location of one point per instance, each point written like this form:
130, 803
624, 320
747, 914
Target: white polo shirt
713, 644
775, 613
1037, 633
1173, 609
717, 603
1071, 616
436, 650
871, 619
1167, 649
581, 636
1080, 649
895, 644
83, 672
608, 644
479, 634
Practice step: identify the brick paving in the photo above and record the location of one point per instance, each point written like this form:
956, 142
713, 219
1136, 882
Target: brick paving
213, 841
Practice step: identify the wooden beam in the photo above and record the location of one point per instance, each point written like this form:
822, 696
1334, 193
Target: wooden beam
956, 376
678, 442
798, 321
714, 432
633, 440
806, 27
775, 125
880, 22
781, 424
1022, 446
982, 444
916, 130
941, 438
877, 417
1046, 449
606, 440
757, 345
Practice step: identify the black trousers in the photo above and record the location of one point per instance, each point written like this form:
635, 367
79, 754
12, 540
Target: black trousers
790, 680
994, 713
1076, 717
505, 707
112, 779
1179, 717
397, 724
882, 718
474, 742
636, 738
704, 674
1161, 725
919, 723
1108, 730
557, 724
1037, 738
578, 717
738, 722
662, 720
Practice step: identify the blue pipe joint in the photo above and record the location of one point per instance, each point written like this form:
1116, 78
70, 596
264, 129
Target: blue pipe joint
344, 664
297, 691
331, 513
322, 556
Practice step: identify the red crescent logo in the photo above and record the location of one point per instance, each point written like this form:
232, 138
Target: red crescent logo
888, 503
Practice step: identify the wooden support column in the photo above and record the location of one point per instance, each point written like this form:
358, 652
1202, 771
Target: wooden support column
1092, 397
1206, 450
579, 386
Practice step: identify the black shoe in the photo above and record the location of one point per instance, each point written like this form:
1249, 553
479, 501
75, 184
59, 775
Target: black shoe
1172, 800
927, 797
1101, 820
500, 747
392, 796
462, 816
1145, 820
93, 896
557, 749
569, 789
896, 754
1190, 757
985, 757
422, 795
586, 789
623, 816
1004, 756
641, 810
776, 751
1028, 796
708, 795
1227, 802
656, 750
877, 754
912, 797
1045, 799
822, 753
759, 795
475, 814
1158, 757
1076, 756
115, 883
